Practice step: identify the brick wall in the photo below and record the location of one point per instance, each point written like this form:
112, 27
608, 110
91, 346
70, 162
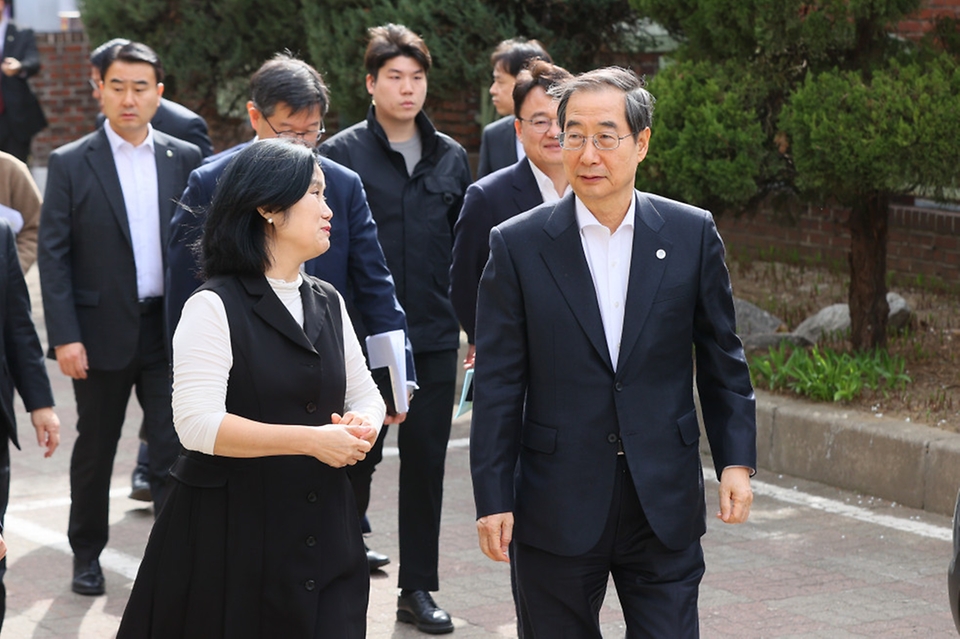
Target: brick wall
61, 86
923, 243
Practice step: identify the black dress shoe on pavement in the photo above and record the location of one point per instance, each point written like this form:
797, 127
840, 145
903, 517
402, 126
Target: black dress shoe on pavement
139, 484
419, 608
377, 560
87, 578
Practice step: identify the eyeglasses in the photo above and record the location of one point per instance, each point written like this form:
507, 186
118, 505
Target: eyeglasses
93, 84
302, 136
603, 141
540, 125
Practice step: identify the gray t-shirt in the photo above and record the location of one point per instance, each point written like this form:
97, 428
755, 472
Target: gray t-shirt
411, 150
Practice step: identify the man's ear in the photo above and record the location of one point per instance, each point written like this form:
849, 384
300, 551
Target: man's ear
254, 114
371, 82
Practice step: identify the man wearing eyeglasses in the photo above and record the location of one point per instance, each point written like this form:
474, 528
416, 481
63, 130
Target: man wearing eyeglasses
537, 178
593, 314
288, 99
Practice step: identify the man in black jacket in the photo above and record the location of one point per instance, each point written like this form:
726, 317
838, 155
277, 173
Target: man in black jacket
20, 114
415, 178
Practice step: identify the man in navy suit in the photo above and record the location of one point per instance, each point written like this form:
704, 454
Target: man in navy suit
593, 314
289, 100
21, 116
499, 146
535, 179
104, 222
24, 370
171, 118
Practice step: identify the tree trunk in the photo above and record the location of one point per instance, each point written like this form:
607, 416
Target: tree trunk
869, 222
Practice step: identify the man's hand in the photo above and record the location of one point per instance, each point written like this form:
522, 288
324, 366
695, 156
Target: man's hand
496, 532
470, 357
735, 495
394, 418
47, 425
72, 358
11, 66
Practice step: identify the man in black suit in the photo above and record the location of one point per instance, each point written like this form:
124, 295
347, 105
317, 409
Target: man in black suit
24, 370
537, 178
499, 146
104, 223
585, 440
20, 114
171, 118
180, 122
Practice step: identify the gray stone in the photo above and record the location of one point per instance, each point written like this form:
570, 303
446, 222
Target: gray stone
752, 319
832, 319
761, 342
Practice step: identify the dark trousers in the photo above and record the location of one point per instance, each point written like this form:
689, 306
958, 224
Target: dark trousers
11, 142
560, 597
422, 439
4, 500
101, 408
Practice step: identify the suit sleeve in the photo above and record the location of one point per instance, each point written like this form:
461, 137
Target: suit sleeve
373, 291
198, 134
54, 255
22, 346
186, 227
31, 56
470, 251
484, 165
500, 382
723, 378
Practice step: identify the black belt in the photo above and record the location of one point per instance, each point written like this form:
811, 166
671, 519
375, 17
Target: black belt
150, 305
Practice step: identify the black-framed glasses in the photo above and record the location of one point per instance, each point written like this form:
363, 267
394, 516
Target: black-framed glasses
540, 125
313, 135
603, 141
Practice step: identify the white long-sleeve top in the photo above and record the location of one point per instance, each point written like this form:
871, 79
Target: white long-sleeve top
203, 357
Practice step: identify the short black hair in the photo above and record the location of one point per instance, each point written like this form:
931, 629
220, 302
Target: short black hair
105, 53
134, 52
285, 78
638, 101
269, 175
391, 40
538, 74
516, 53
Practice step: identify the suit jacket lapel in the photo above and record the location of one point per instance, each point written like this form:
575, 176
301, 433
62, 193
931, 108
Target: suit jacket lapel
169, 188
526, 191
100, 158
651, 255
271, 310
566, 262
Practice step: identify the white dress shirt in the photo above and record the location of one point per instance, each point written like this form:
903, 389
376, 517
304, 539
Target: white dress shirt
547, 190
137, 170
203, 357
608, 257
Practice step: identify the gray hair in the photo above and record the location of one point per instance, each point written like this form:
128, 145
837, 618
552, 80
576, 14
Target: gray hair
639, 102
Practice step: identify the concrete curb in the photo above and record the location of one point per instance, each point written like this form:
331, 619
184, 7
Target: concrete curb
912, 464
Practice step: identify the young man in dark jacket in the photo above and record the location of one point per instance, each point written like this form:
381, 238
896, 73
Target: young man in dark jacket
415, 178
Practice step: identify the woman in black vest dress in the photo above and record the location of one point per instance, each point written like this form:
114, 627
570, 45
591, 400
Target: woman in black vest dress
272, 399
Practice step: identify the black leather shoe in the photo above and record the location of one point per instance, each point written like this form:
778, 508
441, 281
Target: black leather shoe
87, 578
377, 560
140, 484
419, 608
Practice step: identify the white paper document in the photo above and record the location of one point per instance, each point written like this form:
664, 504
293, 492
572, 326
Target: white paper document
387, 350
13, 216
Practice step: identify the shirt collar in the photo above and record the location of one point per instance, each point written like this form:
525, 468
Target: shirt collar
117, 143
545, 183
585, 218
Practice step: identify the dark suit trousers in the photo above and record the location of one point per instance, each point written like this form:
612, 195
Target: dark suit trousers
4, 500
11, 142
560, 597
101, 408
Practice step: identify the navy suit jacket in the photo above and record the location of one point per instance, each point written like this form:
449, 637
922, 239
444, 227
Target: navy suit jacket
87, 270
498, 146
354, 264
20, 350
21, 105
550, 409
488, 202
180, 122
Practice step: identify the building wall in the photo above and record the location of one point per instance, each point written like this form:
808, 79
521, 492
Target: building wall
924, 243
